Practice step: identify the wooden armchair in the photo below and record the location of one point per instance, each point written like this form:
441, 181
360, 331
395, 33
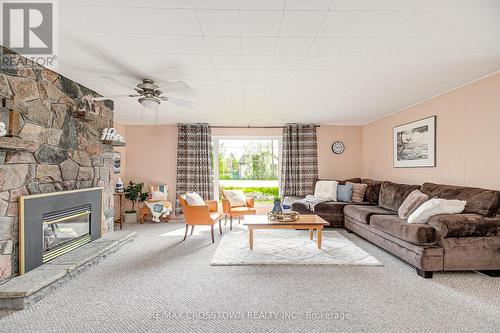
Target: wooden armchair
249, 209
201, 215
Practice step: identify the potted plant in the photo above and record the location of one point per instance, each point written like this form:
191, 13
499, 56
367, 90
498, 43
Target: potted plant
133, 192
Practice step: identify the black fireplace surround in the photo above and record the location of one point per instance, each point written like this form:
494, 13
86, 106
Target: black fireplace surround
55, 223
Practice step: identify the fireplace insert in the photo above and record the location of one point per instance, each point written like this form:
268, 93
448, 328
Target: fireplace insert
53, 224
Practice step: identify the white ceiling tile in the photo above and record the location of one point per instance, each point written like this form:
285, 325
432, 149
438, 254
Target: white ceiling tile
308, 5
254, 85
257, 62
158, 21
196, 61
94, 18
354, 4
460, 5
318, 63
216, 4
224, 45
293, 46
365, 23
301, 23
219, 22
260, 23
255, 75
328, 46
281, 75
146, 43
410, 5
286, 63
230, 74
258, 45
262, 4
227, 62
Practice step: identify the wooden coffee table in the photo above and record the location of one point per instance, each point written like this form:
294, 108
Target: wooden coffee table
308, 222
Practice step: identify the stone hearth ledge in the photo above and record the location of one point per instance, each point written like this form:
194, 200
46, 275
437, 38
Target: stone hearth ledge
22, 291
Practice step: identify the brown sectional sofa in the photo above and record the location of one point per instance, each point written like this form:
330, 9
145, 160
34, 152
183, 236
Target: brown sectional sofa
450, 242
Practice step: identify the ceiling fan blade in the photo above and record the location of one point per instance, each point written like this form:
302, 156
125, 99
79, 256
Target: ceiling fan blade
174, 86
182, 102
113, 97
119, 81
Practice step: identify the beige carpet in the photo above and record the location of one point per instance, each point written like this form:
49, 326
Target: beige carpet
289, 247
143, 286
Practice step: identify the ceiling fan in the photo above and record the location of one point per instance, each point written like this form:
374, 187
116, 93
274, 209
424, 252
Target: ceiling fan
150, 94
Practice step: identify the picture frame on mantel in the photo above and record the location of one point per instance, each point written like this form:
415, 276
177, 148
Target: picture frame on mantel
117, 161
414, 144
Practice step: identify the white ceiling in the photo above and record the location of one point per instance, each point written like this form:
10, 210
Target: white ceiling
267, 62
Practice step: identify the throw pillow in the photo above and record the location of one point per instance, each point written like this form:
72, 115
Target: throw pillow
358, 191
344, 193
158, 196
434, 207
236, 198
194, 199
326, 189
159, 188
412, 202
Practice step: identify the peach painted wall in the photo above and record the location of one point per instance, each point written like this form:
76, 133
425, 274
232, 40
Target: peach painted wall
468, 137
345, 165
152, 156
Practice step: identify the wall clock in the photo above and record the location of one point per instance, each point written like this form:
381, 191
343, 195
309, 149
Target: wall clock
338, 147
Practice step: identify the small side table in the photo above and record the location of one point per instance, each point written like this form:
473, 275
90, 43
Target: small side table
121, 217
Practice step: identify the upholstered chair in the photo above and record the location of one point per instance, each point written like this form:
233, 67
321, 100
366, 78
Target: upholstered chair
201, 215
236, 211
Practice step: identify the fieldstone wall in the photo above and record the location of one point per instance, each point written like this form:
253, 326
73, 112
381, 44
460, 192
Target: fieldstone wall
64, 126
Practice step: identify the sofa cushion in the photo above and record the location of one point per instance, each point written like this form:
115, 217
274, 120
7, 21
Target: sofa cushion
419, 234
363, 213
465, 225
479, 201
392, 195
372, 191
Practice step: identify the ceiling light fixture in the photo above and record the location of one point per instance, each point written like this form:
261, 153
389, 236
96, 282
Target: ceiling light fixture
149, 102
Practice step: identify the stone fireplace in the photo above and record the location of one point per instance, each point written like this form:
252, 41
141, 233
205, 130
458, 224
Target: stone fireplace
53, 224
57, 147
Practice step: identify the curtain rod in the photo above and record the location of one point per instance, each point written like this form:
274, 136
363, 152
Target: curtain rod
252, 126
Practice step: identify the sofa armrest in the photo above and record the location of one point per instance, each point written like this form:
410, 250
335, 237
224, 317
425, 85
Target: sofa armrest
250, 202
465, 225
212, 205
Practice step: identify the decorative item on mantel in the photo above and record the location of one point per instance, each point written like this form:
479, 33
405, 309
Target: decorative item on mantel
111, 137
119, 186
10, 123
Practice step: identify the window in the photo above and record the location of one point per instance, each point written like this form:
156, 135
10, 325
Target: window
250, 164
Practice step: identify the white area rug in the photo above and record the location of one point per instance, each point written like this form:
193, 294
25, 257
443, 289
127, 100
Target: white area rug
289, 247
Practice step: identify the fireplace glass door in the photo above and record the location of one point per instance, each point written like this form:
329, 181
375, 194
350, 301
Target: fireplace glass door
65, 230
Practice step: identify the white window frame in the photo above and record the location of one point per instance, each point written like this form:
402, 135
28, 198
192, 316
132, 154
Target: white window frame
215, 142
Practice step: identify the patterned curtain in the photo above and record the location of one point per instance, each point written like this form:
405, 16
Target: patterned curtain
299, 161
194, 165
